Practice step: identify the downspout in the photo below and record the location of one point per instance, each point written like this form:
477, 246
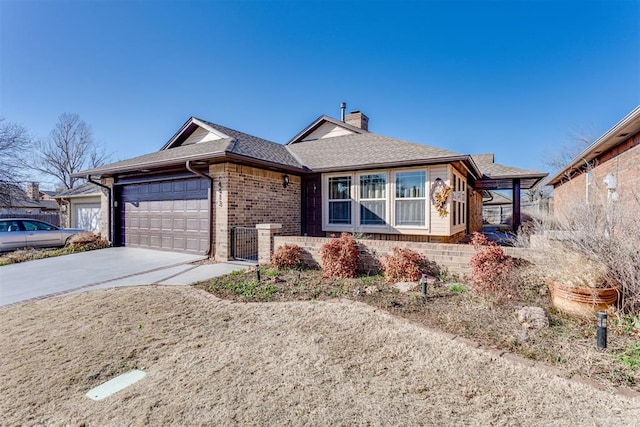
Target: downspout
210, 200
109, 203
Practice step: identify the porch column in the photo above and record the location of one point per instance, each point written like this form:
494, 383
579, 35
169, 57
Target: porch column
265, 241
515, 216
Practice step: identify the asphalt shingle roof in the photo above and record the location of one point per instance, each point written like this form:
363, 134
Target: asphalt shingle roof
491, 169
363, 149
354, 151
239, 143
85, 189
256, 148
170, 156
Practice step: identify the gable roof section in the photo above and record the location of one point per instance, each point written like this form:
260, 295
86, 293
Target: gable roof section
232, 144
619, 133
320, 121
257, 148
367, 150
188, 128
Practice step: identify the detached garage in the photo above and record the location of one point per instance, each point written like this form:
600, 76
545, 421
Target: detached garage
169, 215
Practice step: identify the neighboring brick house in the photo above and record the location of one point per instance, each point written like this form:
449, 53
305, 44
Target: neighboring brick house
30, 201
81, 207
615, 154
333, 176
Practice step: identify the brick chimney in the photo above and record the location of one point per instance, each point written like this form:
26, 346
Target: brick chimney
33, 191
357, 119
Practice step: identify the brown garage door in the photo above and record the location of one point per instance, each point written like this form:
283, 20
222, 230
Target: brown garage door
167, 215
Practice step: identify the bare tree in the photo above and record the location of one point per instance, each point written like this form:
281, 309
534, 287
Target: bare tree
568, 151
69, 148
14, 140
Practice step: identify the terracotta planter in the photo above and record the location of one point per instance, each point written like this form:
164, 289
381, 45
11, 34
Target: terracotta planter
582, 302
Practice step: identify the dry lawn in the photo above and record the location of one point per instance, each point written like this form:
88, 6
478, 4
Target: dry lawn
214, 362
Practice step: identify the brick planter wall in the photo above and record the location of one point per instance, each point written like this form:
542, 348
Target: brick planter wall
455, 258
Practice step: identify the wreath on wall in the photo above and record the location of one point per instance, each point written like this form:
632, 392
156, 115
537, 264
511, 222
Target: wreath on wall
440, 193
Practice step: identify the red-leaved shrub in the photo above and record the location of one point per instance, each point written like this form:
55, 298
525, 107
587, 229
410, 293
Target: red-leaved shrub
339, 257
403, 264
491, 267
287, 257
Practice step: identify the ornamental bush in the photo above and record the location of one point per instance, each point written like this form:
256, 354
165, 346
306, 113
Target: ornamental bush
490, 267
287, 257
403, 264
339, 257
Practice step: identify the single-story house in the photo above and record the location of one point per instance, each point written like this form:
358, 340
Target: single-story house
609, 169
17, 201
333, 176
81, 207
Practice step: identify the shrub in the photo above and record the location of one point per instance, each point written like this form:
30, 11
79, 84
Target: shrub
287, 257
403, 265
340, 257
87, 241
491, 267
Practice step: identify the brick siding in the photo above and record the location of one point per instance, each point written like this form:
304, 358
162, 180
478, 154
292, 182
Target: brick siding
623, 161
245, 196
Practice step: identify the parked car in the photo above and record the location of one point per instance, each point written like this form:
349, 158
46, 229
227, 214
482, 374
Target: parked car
17, 233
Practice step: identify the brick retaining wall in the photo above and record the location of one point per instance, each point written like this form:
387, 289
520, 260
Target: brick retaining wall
454, 257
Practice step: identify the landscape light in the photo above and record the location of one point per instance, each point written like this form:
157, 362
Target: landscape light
602, 330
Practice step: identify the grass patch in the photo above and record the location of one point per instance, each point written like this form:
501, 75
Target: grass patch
458, 288
452, 307
630, 356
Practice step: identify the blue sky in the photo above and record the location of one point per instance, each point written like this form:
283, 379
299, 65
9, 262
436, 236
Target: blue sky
516, 78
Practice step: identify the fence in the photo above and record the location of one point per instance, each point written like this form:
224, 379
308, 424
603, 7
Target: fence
244, 243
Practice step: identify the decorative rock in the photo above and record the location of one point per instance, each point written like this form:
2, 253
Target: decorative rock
431, 280
405, 286
533, 318
370, 290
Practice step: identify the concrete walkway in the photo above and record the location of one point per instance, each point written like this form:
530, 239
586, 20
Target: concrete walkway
104, 268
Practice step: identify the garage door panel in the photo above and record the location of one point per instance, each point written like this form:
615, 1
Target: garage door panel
171, 215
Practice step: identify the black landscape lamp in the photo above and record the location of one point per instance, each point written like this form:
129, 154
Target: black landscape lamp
423, 281
602, 330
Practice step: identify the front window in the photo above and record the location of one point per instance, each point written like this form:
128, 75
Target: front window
340, 200
410, 198
373, 195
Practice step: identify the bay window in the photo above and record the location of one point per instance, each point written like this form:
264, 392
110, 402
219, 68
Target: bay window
381, 201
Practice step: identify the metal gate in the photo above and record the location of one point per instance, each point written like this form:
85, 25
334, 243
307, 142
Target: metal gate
244, 243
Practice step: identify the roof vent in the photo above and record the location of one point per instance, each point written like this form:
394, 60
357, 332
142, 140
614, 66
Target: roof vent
622, 135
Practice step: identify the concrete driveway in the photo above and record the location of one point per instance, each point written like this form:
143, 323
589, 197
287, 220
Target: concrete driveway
104, 268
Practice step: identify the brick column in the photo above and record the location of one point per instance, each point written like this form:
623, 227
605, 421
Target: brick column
265, 241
